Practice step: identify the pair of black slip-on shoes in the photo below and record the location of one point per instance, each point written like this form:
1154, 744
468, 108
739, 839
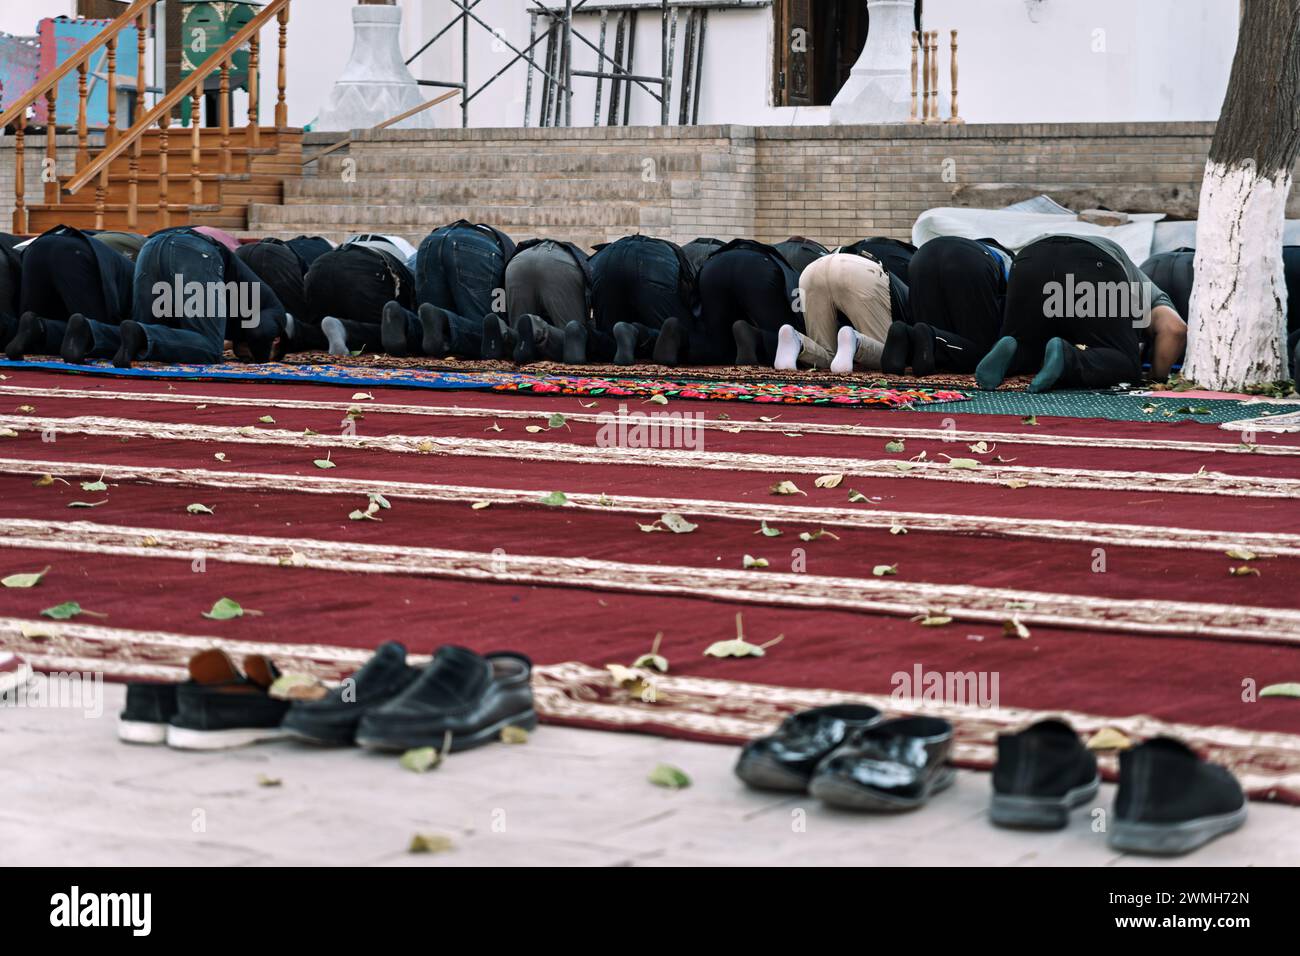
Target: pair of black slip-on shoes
850, 757
1170, 801
391, 705
387, 704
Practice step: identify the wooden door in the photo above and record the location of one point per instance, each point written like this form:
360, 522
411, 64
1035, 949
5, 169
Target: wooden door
793, 53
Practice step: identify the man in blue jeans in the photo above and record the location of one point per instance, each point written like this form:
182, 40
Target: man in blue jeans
191, 294
75, 292
459, 290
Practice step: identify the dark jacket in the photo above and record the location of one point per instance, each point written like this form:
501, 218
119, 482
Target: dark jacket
115, 271
789, 272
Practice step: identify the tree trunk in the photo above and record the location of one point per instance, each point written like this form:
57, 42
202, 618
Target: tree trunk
1237, 326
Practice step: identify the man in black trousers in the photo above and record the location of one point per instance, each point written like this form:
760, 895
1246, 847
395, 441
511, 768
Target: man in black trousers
957, 293
282, 264
11, 277
75, 293
1077, 311
747, 292
639, 285
345, 293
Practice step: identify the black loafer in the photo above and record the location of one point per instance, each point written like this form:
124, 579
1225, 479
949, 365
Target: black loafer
1041, 774
471, 697
334, 719
1171, 801
786, 759
895, 765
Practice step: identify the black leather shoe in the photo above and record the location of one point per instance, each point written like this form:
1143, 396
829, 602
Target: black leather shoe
334, 719
786, 759
922, 350
471, 697
894, 765
1170, 801
897, 354
1042, 772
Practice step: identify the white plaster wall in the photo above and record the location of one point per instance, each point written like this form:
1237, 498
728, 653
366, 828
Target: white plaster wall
1021, 60
1067, 61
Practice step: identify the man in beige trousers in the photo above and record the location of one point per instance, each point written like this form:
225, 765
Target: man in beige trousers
857, 286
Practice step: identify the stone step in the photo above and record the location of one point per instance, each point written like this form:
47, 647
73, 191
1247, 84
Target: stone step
511, 191
391, 218
583, 239
390, 164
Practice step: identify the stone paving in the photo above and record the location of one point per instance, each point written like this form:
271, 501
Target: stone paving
75, 796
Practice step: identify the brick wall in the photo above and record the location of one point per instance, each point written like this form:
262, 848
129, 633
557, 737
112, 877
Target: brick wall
34, 154
832, 183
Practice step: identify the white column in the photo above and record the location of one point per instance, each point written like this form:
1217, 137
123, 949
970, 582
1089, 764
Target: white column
375, 85
879, 89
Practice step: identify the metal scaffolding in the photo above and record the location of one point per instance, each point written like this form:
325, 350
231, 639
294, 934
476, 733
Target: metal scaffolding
553, 24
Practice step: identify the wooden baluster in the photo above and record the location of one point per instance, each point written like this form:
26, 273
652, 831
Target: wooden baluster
925, 76
110, 132
20, 175
52, 191
956, 116
281, 107
254, 134
101, 196
916, 46
196, 146
934, 67
164, 213
83, 153
133, 175
223, 109
111, 55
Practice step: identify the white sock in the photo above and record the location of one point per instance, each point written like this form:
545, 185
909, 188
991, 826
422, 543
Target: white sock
789, 343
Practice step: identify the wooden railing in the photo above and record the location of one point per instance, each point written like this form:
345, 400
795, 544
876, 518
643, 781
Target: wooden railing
136, 15
117, 142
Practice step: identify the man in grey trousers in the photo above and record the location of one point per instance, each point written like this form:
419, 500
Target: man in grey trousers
548, 286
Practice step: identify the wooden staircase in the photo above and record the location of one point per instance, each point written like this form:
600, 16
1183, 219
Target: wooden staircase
221, 199
155, 175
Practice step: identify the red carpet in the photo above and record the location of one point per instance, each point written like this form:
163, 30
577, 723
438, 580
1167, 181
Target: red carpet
1108, 540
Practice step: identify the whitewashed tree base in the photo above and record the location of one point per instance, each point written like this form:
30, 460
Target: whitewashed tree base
1237, 327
